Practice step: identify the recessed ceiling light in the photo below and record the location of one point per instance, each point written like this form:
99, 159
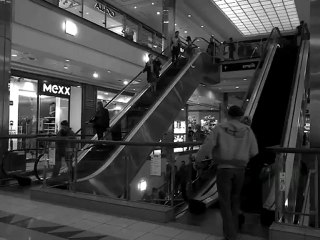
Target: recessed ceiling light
125, 82
185, 31
175, 24
65, 67
14, 55
135, 7
182, 109
134, 89
152, 3
189, 15
202, 26
67, 60
237, 87
158, 13
95, 75
244, 79
109, 71
87, 13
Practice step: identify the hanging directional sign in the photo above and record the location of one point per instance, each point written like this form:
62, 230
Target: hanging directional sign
242, 66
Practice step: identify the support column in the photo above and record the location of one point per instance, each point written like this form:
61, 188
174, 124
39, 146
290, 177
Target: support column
315, 95
168, 23
5, 58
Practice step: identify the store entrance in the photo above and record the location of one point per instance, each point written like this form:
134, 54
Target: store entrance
52, 110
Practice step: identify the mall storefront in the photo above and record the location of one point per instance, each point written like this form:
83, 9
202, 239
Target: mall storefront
39, 103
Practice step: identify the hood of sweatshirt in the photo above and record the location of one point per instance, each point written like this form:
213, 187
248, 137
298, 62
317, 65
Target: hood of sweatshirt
235, 128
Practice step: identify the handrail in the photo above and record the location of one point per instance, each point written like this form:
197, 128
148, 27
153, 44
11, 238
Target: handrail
278, 149
257, 71
270, 37
125, 87
118, 143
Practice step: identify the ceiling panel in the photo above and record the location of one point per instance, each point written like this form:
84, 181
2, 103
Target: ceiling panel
258, 16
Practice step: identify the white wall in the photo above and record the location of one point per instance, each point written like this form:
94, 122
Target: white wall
39, 28
75, 108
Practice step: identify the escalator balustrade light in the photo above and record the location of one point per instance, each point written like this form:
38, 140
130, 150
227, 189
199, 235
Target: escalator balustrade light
142, 185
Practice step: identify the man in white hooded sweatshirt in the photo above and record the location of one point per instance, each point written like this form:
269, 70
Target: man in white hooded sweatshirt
231, 145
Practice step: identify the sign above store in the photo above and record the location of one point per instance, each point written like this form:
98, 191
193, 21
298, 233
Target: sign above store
52, 89
251, 65
103, 8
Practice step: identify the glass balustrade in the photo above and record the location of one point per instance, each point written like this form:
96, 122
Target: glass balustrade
114, 20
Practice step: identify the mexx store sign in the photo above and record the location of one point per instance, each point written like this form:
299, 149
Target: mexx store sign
53, 89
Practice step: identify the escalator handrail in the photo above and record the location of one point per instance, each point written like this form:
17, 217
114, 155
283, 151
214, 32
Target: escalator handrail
256, 75
141, 122
124, 88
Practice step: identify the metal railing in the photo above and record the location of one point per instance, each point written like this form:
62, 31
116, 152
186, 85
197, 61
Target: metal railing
152, 175
301, 209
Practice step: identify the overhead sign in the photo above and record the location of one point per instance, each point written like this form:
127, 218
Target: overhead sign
103, 8
240, 66
54, 89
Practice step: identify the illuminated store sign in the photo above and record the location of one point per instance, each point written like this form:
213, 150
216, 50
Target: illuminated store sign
251, 65
105, 9
52, 89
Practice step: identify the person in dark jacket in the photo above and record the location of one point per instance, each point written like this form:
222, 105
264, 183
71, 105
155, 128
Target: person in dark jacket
153, 69
232, 49
101, 120
63, 148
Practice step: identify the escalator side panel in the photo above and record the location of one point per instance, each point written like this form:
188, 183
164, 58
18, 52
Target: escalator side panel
150, 129
269, 121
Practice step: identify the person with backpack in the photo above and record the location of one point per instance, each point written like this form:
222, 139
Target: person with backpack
231, 145
101, 120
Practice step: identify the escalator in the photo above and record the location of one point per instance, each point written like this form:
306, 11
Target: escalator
207, 190
269, 120
103, 170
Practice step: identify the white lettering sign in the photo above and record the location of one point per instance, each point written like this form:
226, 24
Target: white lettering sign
249, 66
105, 9
55, 89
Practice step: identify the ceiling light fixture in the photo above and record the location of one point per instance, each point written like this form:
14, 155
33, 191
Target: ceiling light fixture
152, 3
95, 75
254, 17
125, 82
202, 26
158, 13
65, 67
70, 28
67, 60
189, 15
109, 71
14, 55
135, 7
237, 87
185, 31
244, 79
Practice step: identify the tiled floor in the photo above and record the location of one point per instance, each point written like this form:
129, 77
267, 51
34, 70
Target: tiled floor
24, 219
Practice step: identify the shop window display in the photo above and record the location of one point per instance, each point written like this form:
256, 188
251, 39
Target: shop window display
22, 110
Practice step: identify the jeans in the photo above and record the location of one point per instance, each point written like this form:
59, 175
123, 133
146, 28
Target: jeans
229, 184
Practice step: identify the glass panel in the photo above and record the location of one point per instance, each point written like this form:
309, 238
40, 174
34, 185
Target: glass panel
118, 104
145, 38
131, 31
94, 12
115, 21
22, 111
52, 110
73, 6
